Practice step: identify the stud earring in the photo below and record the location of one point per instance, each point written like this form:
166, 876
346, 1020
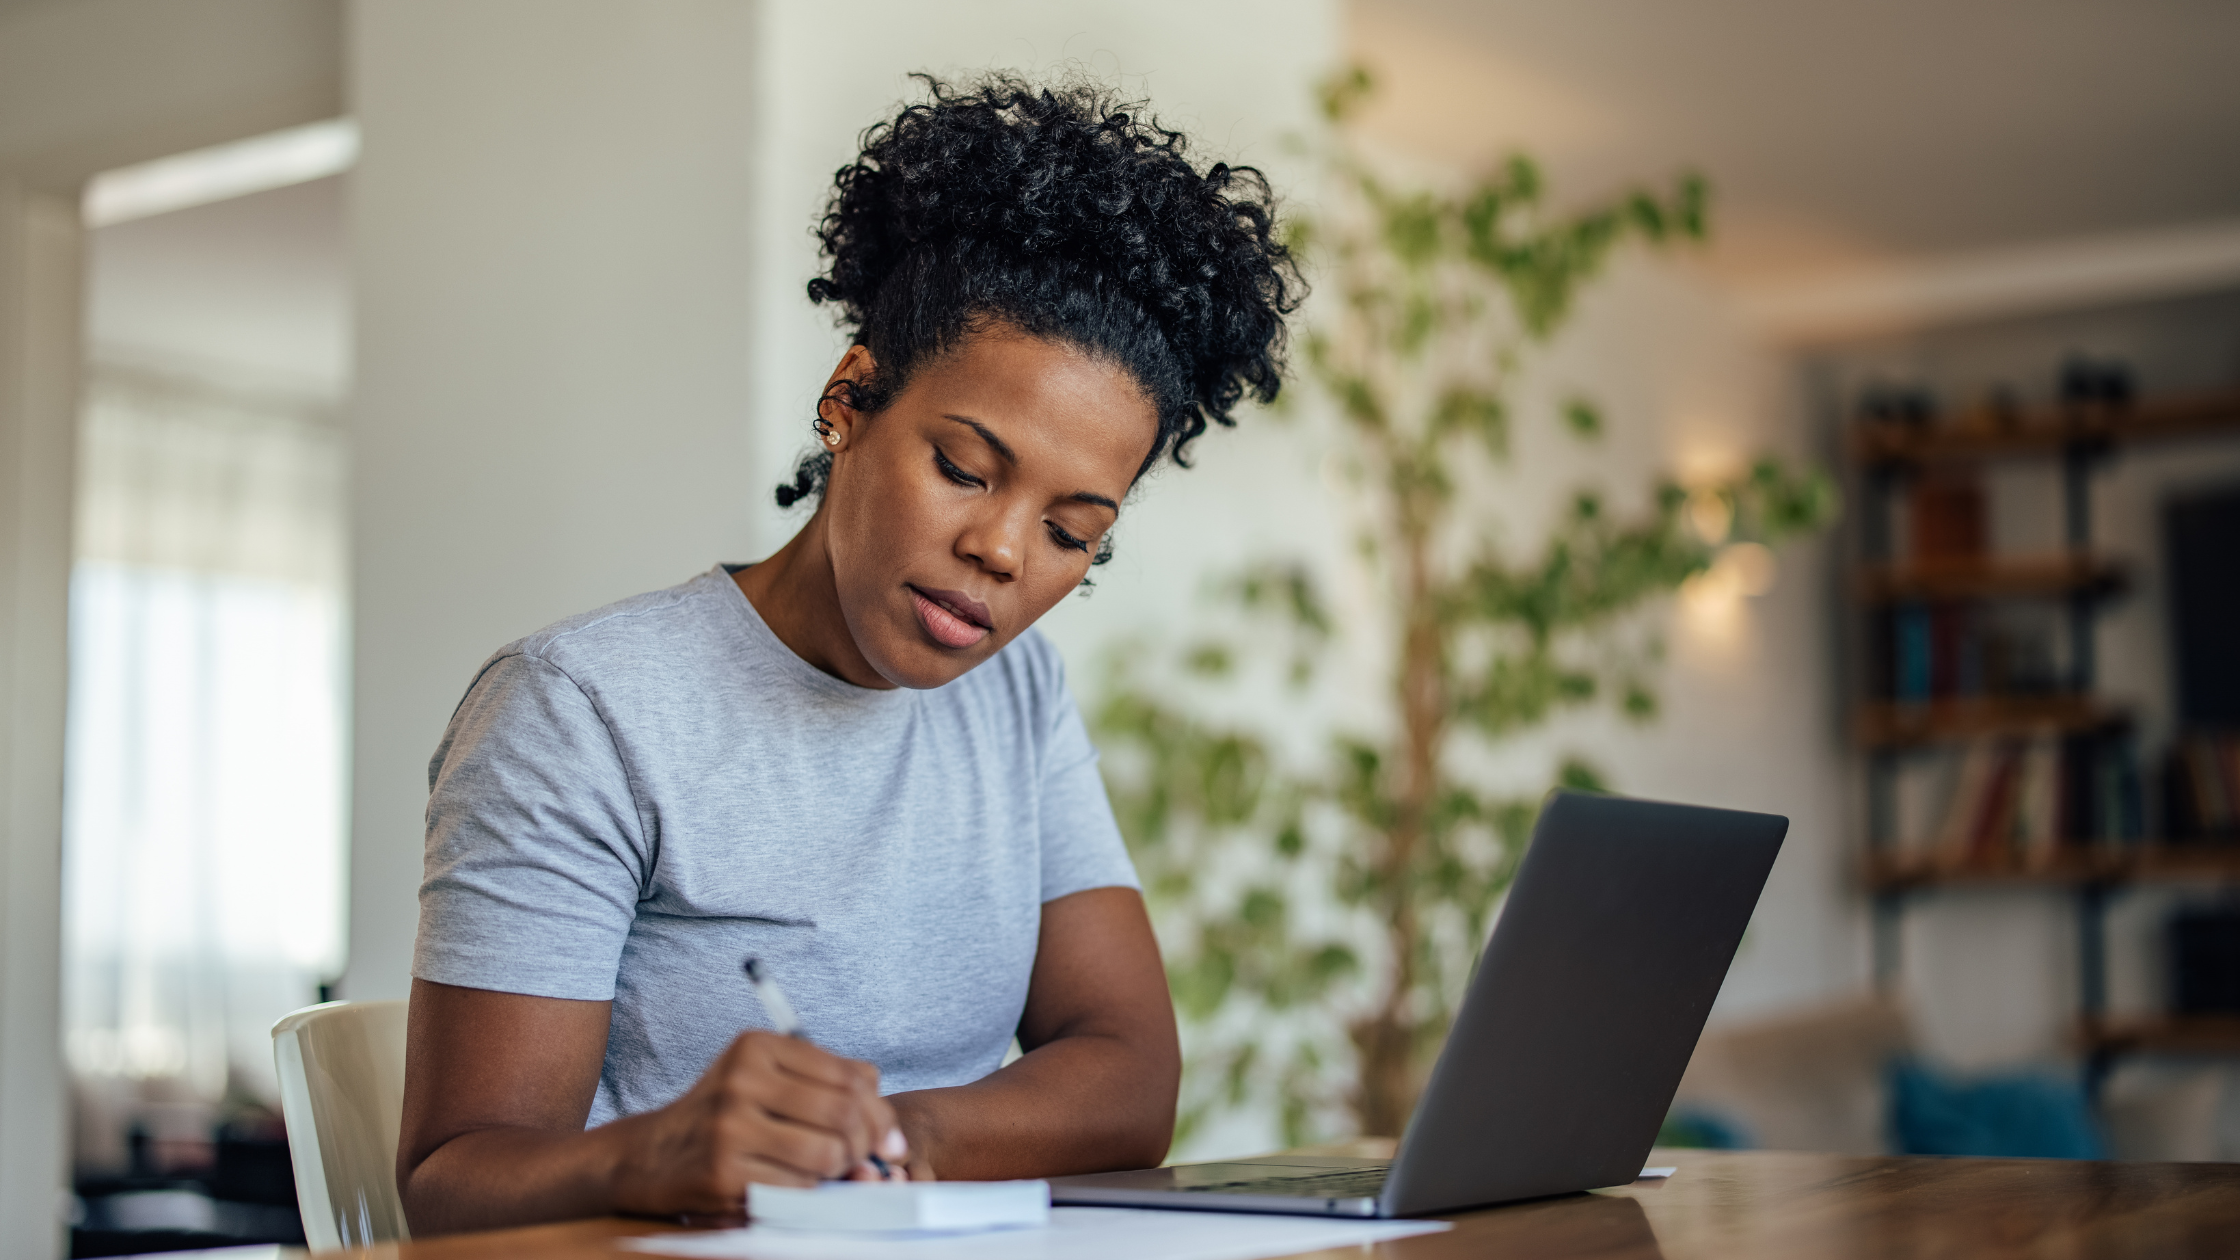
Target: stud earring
832, 439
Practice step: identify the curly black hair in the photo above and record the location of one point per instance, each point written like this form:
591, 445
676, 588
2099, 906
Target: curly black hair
1069, 214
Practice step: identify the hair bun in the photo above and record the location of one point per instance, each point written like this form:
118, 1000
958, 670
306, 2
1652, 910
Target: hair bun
1058, 209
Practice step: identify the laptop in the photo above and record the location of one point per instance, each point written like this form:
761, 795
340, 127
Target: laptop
1571, 1037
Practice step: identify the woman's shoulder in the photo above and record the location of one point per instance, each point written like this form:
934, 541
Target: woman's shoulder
632, 633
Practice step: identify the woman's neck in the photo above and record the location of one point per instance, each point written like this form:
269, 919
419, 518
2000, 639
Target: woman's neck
797, 597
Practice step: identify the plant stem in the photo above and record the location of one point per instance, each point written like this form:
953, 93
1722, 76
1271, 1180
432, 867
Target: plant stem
1389, 1040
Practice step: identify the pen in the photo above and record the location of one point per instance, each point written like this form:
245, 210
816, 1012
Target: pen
787, 1024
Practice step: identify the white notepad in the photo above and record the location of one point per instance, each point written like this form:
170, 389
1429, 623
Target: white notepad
891, 1206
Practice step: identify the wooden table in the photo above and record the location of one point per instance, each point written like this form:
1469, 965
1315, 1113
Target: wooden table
1743, 1205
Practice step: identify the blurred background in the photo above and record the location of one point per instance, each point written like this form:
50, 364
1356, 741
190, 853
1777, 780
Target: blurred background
1877, 463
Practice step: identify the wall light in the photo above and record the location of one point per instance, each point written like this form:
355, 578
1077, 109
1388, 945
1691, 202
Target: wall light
1711, 601
1710, 515
1749, 566
258, 164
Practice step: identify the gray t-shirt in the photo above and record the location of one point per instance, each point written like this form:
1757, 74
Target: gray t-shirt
630, 802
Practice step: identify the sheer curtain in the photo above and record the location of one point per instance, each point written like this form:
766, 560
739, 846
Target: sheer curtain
205, 796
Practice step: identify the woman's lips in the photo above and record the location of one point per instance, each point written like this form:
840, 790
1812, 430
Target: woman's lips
953, 618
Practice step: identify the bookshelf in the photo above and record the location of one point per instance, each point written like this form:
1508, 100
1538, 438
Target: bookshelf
1987, 577
2183, 1034
1912, 698
1888, 724
2140, 863
2055, 431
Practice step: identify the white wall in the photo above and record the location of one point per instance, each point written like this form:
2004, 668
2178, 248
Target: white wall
252, 292
551, 405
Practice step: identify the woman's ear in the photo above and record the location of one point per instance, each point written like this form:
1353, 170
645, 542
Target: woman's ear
837, 416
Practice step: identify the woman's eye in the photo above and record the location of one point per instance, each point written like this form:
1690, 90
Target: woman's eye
1059, 536
952, 472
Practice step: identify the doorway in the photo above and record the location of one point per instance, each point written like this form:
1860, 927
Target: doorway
205, 800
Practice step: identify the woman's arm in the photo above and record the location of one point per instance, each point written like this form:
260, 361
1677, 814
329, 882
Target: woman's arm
1096, 1088
497, 1087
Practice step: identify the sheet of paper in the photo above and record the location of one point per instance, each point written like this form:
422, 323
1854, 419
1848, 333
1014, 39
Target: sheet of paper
1659, 1172
1074, 1233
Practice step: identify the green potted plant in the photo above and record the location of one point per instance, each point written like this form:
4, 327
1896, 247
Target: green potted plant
1321, 913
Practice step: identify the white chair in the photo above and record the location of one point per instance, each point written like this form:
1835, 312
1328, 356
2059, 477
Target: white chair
342, 1092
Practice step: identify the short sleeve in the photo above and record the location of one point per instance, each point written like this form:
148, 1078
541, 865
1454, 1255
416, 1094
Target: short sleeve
1081, 844
535, 851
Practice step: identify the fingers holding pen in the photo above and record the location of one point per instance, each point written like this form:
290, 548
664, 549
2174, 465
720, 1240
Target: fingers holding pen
820, 1114
852, 1106
875, 1136
824, 1113
771, 1109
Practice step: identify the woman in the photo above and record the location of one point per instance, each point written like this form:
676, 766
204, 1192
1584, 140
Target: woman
853, 761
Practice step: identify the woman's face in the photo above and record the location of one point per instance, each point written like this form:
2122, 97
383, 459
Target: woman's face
969, 507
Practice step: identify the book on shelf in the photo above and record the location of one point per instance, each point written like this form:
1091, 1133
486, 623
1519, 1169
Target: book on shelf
1956, 658
1914, 678
2038, 827
1921, 793
2013, 802
1948, 515
2117, 806
1968, 813
1955, 649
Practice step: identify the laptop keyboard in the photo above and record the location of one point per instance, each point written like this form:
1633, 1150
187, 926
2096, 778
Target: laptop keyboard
1346, 1183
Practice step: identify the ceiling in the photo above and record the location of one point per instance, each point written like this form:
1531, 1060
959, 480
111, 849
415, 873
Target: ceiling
1838, 135
88, 85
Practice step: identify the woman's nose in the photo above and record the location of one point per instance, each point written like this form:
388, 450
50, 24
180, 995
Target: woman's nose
995, 543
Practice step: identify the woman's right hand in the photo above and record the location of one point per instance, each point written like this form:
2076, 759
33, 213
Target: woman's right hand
770, 1109
497, 1087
